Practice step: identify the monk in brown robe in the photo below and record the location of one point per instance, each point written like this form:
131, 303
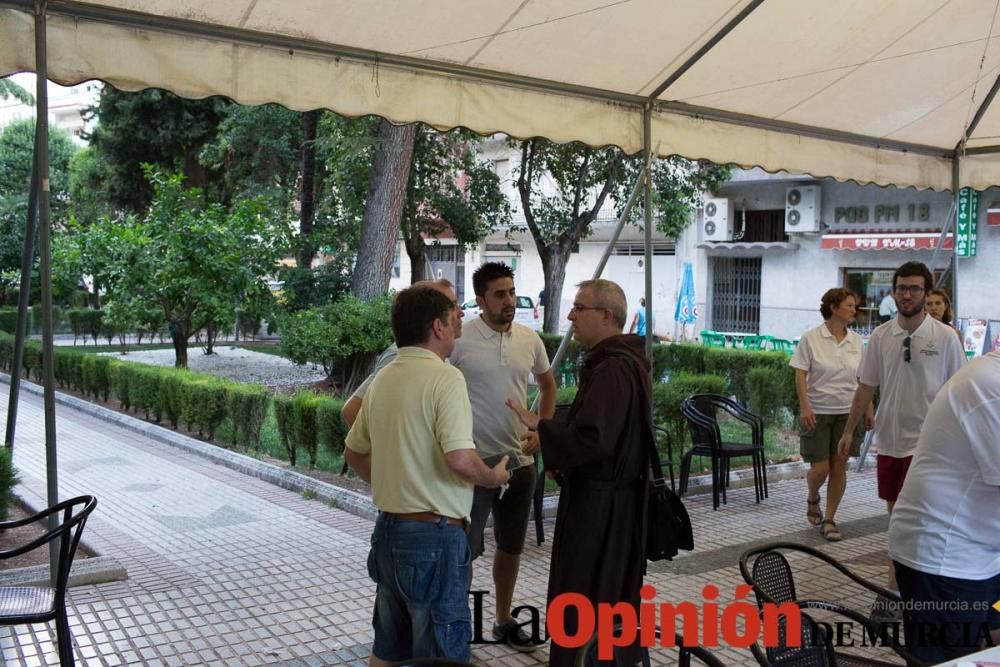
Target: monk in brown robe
600, 452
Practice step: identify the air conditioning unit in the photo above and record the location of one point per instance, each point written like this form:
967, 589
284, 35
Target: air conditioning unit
717, 221
802, 209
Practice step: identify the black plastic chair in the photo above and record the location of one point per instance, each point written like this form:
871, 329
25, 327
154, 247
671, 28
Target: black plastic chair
21, 605
587, 655
767, 570
560, 415
700, 411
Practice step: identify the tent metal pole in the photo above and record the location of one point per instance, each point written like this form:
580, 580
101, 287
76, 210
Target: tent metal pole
23, 297
706, 47
45, 271
955, 181
647, 164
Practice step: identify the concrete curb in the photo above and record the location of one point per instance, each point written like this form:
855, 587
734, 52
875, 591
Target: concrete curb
97, 570
345, 499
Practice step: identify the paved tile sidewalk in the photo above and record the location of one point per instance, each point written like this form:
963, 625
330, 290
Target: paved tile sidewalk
225, 569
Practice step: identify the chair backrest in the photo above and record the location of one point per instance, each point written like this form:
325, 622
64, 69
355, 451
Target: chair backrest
701, 422
773, 575
72, 516
781, 345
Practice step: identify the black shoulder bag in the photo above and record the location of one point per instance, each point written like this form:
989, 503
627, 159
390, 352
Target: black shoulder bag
667, 526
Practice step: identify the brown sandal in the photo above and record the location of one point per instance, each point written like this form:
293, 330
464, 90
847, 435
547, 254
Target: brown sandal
813, 513
830, 531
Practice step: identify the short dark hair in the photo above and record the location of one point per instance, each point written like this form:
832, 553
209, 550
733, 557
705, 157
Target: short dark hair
914, 269
414, 311
832, 298
487, 273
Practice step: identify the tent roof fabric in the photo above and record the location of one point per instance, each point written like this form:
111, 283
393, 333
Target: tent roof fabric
880, 92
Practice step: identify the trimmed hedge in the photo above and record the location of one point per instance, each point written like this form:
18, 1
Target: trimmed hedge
203, 402
8, 320
733, 366
8, 480
667, 398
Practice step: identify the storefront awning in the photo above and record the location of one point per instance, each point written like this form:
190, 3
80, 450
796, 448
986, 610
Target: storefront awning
752, 249
900, 241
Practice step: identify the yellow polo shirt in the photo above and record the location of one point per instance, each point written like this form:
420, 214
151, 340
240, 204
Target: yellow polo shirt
415, 411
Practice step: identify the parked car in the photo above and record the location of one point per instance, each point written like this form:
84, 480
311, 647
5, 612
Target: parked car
526, 313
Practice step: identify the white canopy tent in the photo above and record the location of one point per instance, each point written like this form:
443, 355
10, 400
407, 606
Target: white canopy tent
879, 91
891, 92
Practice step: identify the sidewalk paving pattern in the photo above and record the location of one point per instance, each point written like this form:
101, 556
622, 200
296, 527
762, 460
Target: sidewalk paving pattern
226, 569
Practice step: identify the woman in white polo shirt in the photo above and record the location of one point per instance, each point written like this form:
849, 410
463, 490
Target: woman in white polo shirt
826, 364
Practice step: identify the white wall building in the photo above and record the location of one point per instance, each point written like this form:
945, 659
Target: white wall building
755, 271
66, 105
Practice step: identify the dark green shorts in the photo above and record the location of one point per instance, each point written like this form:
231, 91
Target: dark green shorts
820, 443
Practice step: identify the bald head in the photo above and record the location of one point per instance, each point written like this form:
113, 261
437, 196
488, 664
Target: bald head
445, 286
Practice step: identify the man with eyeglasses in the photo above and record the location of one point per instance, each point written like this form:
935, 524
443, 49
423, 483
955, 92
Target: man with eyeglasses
601, 452
910, 358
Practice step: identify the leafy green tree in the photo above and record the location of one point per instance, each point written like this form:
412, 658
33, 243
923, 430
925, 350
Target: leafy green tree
191, 259
88, 176
579, 180
338, 336
8, 89
583, 179
156, 127
449, 189
258, 151
17, 142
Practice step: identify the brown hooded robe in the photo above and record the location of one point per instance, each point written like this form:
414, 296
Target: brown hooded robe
601, 453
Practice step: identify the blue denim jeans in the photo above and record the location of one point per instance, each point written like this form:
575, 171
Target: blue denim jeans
421, 600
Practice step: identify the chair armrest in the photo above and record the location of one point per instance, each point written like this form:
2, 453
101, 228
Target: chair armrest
35, 543
871, 629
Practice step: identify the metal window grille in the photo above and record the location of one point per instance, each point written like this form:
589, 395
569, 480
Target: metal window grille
736, 294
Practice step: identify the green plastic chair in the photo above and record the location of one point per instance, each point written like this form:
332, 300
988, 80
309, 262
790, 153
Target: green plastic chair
969, 354
712, 339
782, 345
755, 342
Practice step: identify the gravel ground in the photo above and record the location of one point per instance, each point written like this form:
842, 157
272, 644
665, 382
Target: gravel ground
233, 363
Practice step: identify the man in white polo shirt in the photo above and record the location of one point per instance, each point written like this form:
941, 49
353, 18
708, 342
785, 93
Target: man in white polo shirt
496, 355
910, 357
944, 535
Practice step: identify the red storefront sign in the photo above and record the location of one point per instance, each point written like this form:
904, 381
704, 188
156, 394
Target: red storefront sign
896, 241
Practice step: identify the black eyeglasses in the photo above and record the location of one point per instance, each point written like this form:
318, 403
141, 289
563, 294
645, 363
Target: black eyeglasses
906, 349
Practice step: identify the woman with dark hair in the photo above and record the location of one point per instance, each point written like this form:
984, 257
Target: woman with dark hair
826, 364
938, 306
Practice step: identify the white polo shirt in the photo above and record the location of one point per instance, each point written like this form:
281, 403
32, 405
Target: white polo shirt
831, 367
947, 519
907, 388
496, 367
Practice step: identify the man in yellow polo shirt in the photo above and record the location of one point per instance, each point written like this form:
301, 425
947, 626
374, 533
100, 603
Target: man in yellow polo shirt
413, 443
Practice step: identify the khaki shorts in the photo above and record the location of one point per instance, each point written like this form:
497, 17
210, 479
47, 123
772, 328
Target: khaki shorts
820, 444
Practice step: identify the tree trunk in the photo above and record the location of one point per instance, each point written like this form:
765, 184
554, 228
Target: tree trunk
179, 335
554, 261
307, 202
384, 210
415, 250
